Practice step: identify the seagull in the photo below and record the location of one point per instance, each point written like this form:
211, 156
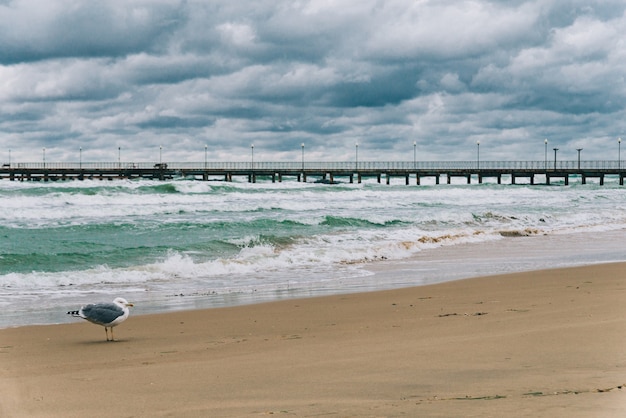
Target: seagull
106, 314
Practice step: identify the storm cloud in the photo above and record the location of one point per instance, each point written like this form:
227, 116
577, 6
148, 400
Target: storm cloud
132, 76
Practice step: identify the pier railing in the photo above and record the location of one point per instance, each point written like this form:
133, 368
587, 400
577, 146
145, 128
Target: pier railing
330, 166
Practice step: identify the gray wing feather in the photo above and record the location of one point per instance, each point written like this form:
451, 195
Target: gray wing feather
101, 313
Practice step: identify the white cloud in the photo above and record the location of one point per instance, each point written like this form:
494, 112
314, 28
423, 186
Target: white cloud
450, 82
447, 29
237, 34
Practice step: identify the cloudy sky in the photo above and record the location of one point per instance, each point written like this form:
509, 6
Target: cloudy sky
136, 75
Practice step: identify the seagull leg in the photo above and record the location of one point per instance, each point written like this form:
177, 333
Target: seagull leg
112, 339
106, 330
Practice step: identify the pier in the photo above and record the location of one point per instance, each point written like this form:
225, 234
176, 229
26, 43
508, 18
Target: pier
527, 172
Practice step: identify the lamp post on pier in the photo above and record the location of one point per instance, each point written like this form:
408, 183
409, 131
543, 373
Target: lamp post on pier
302, 145
80, 158
205, 151
555, 150
619, 154
357, 156
414, 155
119, 157
545, 161
44, 157
478, 155
579, 149
251, 177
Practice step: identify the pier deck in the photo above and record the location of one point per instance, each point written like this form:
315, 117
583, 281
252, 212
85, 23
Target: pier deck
330, 172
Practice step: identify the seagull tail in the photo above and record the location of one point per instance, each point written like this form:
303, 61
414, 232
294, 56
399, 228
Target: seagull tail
74, 313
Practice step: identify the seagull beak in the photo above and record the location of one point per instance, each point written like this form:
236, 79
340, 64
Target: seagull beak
130, 305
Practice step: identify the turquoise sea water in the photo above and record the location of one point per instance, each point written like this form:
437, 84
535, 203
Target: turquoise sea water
185, 244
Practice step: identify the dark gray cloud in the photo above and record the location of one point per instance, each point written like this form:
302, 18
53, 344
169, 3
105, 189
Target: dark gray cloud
138, 75
41, 30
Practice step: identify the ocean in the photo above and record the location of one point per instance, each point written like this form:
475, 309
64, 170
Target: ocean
185, 244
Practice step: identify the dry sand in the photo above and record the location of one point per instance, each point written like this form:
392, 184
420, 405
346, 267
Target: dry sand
538, 344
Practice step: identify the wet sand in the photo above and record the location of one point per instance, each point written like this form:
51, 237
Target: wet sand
548, 343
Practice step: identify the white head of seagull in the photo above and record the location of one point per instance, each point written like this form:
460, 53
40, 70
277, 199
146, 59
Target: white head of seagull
106, 314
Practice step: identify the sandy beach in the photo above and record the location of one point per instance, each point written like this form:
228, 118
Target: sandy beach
539, 344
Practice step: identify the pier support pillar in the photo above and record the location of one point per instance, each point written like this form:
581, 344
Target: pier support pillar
378, 178
388, 178
480, 178
449, 178
417, 179
351, 178
358, 176
469, 179
406, 179
601, 179
436, 178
